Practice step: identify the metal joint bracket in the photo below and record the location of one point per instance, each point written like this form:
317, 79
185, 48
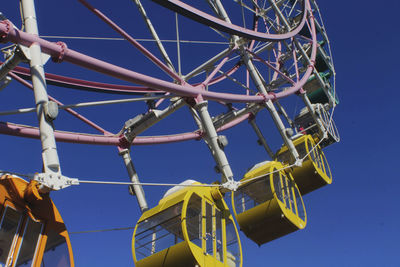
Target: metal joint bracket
201, 104
240, 42
231, 185
27, 53
298, 163
325, 135
265, 98
222, 141
220, 120
4, 82
51, 110
4, 35
273, 96
55, 181
60, 57
312, 65
140, 123
289, 132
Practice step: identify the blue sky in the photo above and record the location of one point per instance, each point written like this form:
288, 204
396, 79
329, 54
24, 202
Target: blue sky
352, 222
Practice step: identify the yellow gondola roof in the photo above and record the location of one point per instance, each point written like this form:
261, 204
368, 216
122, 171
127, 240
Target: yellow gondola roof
180, 193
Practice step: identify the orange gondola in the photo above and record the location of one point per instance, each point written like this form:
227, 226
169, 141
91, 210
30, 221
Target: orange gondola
32, 232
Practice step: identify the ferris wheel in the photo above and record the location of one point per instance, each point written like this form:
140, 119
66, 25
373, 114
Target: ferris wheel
220, 63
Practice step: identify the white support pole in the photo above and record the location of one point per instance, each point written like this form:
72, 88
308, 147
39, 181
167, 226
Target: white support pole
137, 189
282, 111
213, 142
49, 151
270, 106
259, 84
261, 138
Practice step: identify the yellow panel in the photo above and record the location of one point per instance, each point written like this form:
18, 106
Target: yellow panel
274, 217
185, 253
178, 255
314, 172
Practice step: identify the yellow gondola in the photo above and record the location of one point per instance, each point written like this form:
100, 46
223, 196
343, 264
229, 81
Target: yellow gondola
314, 172
191, 226
270, 206
32, 232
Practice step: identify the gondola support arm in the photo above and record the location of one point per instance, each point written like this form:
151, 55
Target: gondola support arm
55, 181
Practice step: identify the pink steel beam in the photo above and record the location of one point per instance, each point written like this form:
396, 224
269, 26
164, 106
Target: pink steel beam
127, 37
272, 67
214, 72
72, 112
81, 138
204, 18
8, 33
61, 52
68, 137
69, 82
88, 85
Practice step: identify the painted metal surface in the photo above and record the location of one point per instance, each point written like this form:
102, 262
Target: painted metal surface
268, 204
315, 171
49, 243
279, 61
184, 216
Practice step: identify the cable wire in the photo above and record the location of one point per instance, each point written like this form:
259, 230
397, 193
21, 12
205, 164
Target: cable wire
122, 39
102, 230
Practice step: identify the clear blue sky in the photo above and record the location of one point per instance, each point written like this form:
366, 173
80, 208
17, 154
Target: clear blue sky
353, 222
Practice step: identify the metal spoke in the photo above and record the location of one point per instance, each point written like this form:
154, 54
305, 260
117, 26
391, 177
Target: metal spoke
178, 45
207, 65
154, 34
87, 104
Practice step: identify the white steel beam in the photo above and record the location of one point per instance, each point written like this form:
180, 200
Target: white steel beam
136, 187
49, 151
